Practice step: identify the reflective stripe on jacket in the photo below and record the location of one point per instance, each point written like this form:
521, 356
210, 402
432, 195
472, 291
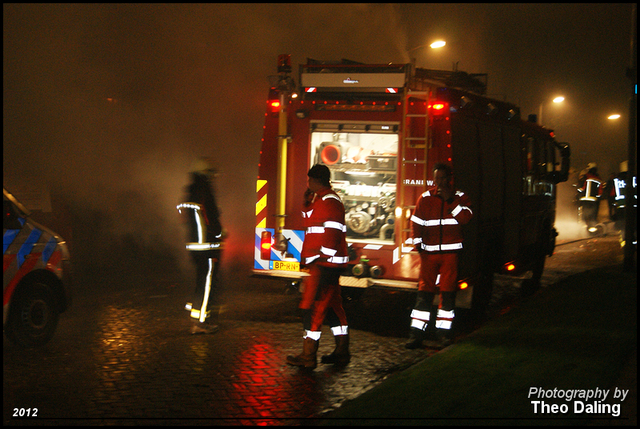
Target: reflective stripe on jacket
325, 238
591, 190
437, 224
198, 227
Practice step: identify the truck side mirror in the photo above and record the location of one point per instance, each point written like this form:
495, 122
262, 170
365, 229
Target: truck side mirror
565, 154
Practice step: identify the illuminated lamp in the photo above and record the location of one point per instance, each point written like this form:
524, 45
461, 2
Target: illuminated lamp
463, 285
438, 108
265, 245
274, 105
510, 266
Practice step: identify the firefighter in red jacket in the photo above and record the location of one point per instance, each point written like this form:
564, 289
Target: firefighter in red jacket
325, 253
589, 194
437, 235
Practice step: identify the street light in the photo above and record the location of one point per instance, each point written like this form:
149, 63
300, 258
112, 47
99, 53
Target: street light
614, 117
556, 100
434, 45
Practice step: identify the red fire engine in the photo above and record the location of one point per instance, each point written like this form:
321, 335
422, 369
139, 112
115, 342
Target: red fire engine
380, 128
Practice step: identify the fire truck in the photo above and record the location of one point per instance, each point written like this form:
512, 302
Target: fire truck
380, 128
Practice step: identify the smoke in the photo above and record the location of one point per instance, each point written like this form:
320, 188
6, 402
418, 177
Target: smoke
108, 106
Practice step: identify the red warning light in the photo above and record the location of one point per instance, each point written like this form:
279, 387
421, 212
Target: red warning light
438, 108
274, 105
265, 245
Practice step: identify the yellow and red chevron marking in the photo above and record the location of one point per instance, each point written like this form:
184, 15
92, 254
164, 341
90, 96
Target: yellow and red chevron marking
261, 204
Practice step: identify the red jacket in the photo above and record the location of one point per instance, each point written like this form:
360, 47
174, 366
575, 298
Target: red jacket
326, 232
437, 224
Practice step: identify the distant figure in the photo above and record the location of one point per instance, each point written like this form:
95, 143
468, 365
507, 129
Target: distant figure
325, 253
618, 196
437, 235
204, 244
589, 193
609, 191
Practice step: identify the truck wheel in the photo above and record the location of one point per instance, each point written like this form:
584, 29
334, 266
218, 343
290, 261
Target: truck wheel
33, 316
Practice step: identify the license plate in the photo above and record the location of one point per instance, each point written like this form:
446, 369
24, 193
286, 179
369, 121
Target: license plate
286, 266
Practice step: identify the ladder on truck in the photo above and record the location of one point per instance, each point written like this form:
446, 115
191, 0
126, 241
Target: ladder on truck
413, 162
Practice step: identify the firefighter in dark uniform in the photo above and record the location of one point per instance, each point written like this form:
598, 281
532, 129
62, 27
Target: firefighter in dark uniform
325, 253
437, 236
204, 245
618, 196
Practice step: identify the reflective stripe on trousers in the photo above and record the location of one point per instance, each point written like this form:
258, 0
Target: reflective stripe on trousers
420, 319
444, 319
336, 330
201, 314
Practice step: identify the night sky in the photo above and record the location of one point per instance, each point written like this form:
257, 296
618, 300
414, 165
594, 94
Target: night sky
109, 104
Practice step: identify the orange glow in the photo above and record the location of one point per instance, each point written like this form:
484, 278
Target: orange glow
275, 104
266, 245
464, 285
510, 267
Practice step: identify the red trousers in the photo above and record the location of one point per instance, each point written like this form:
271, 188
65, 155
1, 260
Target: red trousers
322, 297
432, 264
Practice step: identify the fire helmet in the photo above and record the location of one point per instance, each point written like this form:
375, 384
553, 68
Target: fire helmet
204, 166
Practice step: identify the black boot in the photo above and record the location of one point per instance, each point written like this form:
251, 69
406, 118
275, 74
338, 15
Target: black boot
341, 355
416, 337
308, 357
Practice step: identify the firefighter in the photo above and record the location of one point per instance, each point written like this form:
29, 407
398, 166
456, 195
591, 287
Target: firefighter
437, 236
325, 254
589, 193
205, 236
618, 194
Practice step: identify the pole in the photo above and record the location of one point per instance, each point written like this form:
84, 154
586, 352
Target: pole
285, 88
282, 163
630, 242
540, 115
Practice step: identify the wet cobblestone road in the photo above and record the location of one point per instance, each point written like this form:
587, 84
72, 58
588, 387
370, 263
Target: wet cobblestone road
126, 357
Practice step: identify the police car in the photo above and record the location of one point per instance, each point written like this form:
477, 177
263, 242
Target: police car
36, 276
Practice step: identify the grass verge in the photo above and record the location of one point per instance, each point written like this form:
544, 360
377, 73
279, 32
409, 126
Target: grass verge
576, 334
